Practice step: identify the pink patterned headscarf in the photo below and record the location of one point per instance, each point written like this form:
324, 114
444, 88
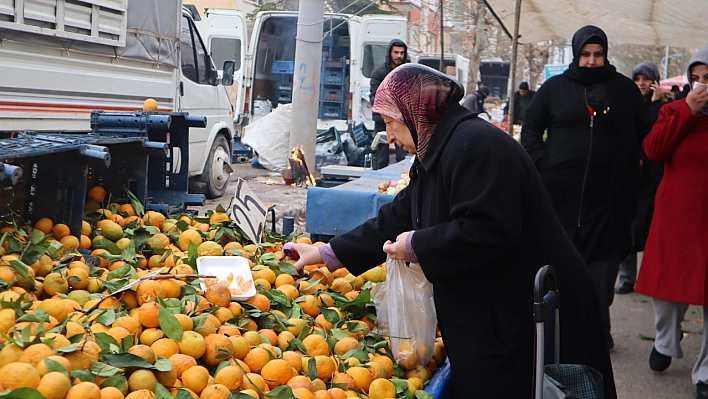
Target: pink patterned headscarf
417, 96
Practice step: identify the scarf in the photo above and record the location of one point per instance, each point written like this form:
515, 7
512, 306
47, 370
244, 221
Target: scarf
417, 96
701, 57
589, 76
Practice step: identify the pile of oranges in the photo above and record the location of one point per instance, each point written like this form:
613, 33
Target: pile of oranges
68, 330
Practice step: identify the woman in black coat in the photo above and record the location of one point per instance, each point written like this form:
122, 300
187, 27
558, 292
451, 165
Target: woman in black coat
595, 119
476, 217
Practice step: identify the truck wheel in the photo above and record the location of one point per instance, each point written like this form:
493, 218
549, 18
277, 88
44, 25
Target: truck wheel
218, 168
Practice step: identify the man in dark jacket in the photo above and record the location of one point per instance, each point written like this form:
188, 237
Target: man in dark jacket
475, 101
396, 56
522, 99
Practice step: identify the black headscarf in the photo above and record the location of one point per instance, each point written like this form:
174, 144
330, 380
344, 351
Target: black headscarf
587, 76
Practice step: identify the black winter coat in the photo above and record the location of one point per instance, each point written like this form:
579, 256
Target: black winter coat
483, 227
378, 75
590, 170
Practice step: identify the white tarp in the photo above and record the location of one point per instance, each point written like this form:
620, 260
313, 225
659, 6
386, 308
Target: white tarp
682, 23
270, 138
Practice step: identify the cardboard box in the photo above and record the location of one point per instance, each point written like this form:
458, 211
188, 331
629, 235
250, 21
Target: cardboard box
451, 70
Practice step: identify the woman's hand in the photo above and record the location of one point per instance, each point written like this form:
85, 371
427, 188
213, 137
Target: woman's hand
697, 98
656, 90
305, 254
397, 250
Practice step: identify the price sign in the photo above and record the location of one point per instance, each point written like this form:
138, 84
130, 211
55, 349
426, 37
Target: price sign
248, 211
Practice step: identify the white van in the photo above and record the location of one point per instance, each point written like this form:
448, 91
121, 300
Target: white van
353, 46
460, 63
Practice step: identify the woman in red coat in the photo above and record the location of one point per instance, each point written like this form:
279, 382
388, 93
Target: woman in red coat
675, 266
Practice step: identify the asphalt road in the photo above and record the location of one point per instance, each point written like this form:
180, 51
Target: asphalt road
632, 314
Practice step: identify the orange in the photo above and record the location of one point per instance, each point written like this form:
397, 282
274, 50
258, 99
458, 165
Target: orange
215, 391
382, 388
322, 394
150, 335
143, 351
97, 193
195, 378
253, 381
55, 307
231, 377
34, 354
361, 376
192, 344
217, 345
54, 385
140, 394
165, 347
42, 366
127, 322
185, 321
111, 393
142, 379
148, 313
343, 378
150, 105
256, 359
310, 304
44, 225
346, 344
181, 362
386, 362
166, 378
219, 295
316, 345
241, 346
304, 240
18, 374
277, 372
61, 230
325, 367
84, 390
127, 208
284, 279
153, 218
150, 289
300, 381
303, 393
294, 359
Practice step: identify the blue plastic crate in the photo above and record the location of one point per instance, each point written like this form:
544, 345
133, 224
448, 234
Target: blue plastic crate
284, 82
332, 96
334, 62
283, 67
361, 135
331, 111
333, 78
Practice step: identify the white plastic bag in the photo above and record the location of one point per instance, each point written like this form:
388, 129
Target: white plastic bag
405, 310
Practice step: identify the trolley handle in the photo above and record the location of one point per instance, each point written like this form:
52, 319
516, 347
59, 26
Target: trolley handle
546, 273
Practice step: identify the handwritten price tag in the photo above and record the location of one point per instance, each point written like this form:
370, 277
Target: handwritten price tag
248, 211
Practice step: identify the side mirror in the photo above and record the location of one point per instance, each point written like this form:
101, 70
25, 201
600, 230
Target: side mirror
227, 76
212, 73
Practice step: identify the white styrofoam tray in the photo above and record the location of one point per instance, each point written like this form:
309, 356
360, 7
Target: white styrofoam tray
222, 266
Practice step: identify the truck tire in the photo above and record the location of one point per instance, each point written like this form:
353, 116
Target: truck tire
217, 169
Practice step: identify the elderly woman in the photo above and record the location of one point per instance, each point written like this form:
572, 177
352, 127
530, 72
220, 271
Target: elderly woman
673, 269
476, 217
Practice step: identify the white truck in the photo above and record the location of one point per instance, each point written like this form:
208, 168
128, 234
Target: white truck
353, 46
60, 59
460, 65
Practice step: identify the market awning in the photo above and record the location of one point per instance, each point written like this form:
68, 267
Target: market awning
647, 22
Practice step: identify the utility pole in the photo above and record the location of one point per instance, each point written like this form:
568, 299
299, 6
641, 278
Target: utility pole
442, 40
514, 50
306, 78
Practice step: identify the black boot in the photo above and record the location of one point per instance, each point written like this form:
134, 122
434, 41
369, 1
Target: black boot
659, 362
701, 391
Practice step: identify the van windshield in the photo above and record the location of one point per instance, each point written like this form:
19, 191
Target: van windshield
225, 49
374, 55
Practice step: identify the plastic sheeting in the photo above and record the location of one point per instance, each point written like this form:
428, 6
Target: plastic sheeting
270, 138
646, 22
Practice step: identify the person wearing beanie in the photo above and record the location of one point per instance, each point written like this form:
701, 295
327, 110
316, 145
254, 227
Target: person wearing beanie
522, 100
673, 268
594, 119
646, 76
475, 101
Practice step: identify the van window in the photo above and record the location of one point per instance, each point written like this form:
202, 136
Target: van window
374, 55
193, 53
225, 49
